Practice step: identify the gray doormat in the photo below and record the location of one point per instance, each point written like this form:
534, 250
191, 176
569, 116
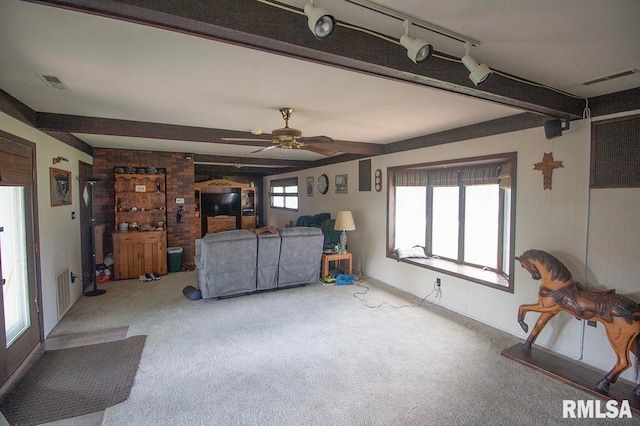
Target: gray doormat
72, 382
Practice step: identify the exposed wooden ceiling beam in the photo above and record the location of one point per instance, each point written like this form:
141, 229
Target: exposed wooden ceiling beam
512, 123
50, 122
224, 159
255, 25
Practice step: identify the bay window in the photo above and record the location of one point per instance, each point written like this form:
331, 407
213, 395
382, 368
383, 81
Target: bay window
461, 212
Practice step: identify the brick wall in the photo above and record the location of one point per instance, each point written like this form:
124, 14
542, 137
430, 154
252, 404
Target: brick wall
179, 184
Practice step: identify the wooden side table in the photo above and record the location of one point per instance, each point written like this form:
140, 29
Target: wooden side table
326, 258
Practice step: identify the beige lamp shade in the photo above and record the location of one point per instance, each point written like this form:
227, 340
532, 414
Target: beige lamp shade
344, 221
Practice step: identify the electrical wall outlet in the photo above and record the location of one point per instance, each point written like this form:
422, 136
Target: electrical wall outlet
438, 282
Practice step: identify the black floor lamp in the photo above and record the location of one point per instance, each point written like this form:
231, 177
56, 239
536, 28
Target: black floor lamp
95, 292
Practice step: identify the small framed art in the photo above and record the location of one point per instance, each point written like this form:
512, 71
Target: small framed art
60, 181
342, 184
310, 182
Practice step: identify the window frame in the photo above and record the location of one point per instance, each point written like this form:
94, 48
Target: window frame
494, 278
284, 183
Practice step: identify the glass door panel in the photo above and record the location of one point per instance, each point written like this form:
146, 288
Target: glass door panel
13, 248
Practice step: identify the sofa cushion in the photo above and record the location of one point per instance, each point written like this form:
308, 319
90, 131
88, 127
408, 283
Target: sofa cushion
300, 256
227, 263
268, 258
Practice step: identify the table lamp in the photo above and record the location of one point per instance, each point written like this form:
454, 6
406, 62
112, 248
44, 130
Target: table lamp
344, 223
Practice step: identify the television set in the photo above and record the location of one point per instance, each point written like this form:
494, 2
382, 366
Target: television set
220, 204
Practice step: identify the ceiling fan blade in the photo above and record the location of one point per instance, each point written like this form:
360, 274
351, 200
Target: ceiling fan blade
316, 139
246, 139
266, 148
319, 150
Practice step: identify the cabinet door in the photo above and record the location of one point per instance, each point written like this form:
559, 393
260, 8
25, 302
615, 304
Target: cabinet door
154, 255
248, 222
126, 256
136, 254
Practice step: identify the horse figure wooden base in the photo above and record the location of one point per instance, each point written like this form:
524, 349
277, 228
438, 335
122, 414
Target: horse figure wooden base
558, 292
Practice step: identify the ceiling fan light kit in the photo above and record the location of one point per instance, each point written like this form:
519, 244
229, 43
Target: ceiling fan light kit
290, 138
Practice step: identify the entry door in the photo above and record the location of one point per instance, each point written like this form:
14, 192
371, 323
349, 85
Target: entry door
20, 328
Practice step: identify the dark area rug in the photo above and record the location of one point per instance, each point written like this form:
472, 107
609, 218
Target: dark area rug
72, 382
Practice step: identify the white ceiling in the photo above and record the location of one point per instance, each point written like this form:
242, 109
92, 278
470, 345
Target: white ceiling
117, 69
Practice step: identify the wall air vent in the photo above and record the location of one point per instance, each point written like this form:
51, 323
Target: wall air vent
55, 82
609, 77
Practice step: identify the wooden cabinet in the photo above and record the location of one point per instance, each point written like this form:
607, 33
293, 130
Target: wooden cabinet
221, 223
139, 253
140, 238
248, 222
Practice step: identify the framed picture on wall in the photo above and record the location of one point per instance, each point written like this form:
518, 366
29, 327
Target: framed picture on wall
310, 182
342, 184
60, 181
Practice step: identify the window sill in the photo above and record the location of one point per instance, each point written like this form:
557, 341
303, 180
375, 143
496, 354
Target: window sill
466, 272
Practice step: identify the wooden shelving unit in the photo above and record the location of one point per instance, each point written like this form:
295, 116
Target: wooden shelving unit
140, 201
211, 224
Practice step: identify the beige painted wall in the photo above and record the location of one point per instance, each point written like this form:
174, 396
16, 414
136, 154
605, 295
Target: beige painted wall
59, 234
556, 221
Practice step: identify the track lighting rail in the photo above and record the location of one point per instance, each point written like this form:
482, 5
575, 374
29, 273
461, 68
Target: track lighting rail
415, 21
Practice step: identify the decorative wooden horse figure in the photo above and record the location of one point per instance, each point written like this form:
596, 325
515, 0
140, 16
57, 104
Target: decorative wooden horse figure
558, 292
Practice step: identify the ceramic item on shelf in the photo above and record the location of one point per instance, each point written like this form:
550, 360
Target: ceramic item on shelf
123, 226
119, 170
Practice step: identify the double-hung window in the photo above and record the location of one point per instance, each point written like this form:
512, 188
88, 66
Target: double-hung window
461, 212
284, 194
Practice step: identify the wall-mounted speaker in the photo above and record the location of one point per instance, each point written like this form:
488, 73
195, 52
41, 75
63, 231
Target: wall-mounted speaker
554, 128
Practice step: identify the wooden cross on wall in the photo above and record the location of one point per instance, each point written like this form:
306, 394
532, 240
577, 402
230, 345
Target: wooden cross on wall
546, 166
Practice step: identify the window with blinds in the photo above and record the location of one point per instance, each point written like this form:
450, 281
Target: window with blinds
460, 211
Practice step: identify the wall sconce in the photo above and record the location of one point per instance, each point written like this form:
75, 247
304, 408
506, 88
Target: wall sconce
56, 160
188, 156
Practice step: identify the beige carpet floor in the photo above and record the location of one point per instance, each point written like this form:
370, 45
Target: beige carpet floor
314, 355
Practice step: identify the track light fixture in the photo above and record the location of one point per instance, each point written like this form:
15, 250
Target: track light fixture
320, 22
479, 73
418, 50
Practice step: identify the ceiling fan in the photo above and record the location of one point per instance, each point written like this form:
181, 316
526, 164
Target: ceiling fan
289, 138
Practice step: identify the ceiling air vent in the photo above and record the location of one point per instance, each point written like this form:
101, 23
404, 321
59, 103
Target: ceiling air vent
609, 77
54, 82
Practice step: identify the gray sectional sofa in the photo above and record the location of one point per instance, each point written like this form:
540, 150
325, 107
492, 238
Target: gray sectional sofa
240, 261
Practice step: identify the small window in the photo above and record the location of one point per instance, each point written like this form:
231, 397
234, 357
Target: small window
461, 212
284, 194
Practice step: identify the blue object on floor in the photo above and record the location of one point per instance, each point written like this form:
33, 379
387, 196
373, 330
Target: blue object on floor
191, 293
344, 279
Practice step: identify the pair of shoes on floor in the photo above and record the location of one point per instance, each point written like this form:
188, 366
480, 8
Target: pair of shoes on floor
149, 277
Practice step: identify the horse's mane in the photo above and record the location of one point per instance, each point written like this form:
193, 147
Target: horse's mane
556, 268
